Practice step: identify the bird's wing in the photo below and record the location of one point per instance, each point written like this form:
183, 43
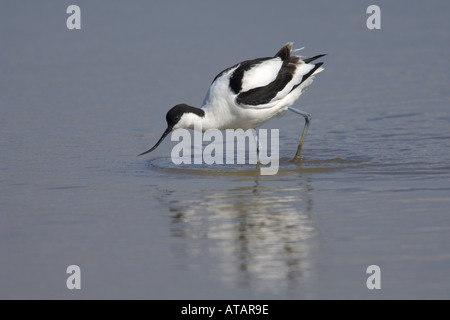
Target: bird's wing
242, 77
255, 74
291, 73
263, 82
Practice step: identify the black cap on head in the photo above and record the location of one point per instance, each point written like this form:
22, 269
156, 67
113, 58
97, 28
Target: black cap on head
172, 117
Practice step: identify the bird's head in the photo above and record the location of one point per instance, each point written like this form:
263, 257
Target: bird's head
180, 116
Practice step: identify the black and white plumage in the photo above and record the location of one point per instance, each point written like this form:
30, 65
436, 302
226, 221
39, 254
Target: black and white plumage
248, 94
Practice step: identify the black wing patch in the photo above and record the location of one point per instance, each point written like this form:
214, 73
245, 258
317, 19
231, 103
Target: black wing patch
314, 58
263, 95
306, 76
238, 74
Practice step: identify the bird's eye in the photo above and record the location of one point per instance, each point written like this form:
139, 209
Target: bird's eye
177, 119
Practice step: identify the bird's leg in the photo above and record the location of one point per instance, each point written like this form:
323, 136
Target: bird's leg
258, 145
307, 117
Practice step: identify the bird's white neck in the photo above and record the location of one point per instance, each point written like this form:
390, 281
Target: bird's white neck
196, 122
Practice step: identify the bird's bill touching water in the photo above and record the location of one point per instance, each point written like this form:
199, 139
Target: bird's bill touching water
168, 130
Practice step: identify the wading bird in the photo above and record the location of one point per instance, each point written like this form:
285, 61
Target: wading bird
248, 94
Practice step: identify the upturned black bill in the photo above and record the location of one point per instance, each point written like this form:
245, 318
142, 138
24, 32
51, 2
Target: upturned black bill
168, 130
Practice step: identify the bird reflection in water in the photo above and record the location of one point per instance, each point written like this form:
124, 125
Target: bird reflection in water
257, 235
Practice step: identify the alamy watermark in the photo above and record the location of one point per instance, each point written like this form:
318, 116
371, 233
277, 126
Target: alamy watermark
73, 22
374, 280
74, 280
373, 22
214, 152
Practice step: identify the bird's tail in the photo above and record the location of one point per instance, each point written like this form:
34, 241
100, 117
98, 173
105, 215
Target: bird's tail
285, 54
313, 58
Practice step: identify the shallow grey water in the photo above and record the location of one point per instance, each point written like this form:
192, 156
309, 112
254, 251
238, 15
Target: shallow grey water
77, 106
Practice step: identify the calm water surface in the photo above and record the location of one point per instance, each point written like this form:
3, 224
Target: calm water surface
77, 106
